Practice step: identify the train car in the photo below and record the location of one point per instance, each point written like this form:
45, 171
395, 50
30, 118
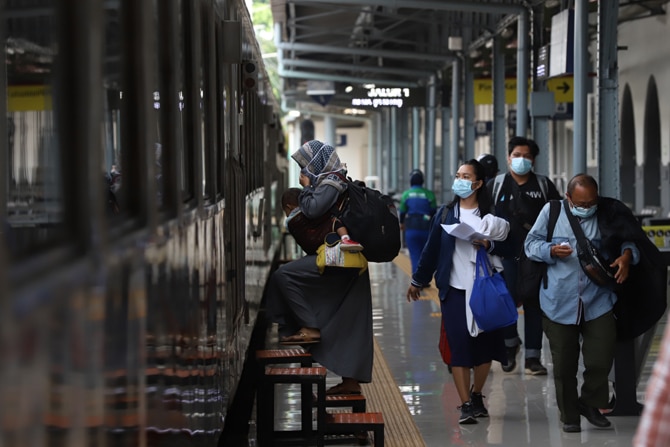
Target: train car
144, 156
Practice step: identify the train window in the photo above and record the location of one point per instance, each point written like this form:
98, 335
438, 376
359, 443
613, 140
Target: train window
32, 194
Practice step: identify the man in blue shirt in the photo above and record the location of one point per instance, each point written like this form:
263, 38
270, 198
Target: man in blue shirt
417, 206
574, 306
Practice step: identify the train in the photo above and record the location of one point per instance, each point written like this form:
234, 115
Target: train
141, 218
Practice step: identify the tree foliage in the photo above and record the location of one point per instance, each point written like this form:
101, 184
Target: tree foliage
261, 15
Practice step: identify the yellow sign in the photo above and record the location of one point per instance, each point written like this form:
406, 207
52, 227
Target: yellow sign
484, 91
562, 88
23, 98
659, 235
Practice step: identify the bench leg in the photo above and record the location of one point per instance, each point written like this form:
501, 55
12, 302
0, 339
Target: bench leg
379, 436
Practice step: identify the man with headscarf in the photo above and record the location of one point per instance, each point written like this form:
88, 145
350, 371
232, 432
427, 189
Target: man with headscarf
417, 207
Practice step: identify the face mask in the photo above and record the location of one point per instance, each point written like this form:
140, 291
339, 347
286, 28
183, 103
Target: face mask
462, 188
583, 213
521, 165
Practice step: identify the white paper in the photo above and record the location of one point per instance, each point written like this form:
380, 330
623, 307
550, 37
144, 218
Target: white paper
463, 231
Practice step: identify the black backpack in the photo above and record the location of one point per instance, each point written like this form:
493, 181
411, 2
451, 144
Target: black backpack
371, 219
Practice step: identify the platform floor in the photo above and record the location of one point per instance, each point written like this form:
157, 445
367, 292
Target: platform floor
522, 408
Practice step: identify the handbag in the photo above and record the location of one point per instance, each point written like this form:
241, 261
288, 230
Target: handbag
491, 303
591, 261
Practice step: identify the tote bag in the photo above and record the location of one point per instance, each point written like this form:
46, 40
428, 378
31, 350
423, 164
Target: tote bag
491, 303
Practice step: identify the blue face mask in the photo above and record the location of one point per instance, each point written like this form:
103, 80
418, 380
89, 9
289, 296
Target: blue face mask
583, 213
521, 166
462, 188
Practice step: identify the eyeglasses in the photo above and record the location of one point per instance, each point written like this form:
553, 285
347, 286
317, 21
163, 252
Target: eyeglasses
583, 204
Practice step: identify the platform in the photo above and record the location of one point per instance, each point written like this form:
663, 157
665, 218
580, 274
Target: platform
522, 408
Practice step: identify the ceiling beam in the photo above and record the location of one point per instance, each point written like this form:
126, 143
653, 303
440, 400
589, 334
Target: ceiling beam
354, 67
440, 5
388, 54
341, 78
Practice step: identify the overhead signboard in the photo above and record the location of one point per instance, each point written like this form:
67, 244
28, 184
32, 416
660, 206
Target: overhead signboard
399, 97
483, 90
562, 87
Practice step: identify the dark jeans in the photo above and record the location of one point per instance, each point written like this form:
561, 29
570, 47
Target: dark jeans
532, 315
597, 348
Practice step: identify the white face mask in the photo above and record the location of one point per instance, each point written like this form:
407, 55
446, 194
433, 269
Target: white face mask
521, 166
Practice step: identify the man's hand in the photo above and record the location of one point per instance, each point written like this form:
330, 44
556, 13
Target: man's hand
561, 251
622, 263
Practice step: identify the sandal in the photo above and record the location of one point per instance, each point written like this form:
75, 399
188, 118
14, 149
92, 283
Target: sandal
339, 389
300, 338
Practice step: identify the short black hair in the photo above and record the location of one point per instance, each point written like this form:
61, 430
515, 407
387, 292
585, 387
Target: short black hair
523, 141
290, 197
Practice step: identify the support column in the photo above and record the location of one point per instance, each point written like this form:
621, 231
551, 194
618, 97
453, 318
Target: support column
522, 75
330, 130
416, 138
469, 110
447, 149
431, 103
581, 40
609, 175
455, 117
499, 141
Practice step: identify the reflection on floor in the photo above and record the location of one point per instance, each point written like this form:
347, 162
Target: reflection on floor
522, 408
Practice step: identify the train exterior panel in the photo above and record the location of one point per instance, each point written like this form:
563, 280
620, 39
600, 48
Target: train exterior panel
140, 218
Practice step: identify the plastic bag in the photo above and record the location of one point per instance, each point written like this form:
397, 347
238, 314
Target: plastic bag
491, 303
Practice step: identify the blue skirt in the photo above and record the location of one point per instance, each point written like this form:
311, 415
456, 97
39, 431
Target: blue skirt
468, 351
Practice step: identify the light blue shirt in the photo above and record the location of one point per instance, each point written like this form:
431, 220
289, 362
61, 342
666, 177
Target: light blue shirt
570, 296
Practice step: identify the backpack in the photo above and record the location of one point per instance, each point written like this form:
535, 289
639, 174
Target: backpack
500, 179
371, 219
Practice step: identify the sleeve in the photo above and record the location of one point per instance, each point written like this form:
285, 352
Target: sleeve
634, 251
403, 206
535, 245
316, 202
431, 251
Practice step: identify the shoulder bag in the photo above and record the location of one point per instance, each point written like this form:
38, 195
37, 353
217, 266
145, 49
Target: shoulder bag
491, 303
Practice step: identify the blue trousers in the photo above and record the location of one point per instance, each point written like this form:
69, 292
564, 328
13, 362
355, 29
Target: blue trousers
532, 317
415, 240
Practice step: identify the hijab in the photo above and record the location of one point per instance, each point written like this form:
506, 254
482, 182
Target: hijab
320, 162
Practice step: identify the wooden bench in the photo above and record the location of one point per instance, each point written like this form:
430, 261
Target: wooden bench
342, 423
266, 357
355, 401
266, 402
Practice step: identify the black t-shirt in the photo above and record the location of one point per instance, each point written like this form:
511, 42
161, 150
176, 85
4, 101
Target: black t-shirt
521, 204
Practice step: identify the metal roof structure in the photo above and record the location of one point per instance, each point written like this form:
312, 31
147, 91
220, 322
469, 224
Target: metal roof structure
403, 43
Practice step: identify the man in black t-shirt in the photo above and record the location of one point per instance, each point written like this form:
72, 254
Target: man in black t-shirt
519, 196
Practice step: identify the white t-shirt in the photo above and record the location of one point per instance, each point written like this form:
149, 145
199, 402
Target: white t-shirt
463, 269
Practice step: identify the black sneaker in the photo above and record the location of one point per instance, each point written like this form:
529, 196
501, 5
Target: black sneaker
534, 367
478, 408
511, 359
467, 414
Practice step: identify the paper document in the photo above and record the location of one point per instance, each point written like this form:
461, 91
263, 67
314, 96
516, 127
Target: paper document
463, 231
